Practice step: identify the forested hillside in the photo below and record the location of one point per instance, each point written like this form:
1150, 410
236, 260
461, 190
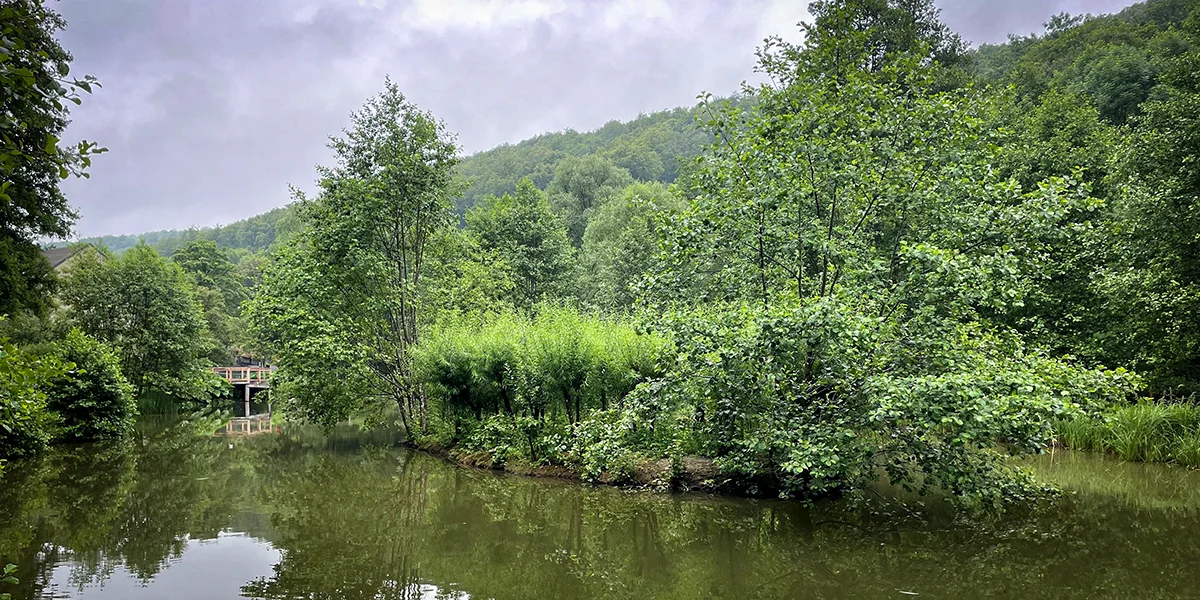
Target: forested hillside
254, 234
1114, 97
651, 148
1116, 62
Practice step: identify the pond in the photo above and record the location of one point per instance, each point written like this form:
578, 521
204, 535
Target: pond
293, 514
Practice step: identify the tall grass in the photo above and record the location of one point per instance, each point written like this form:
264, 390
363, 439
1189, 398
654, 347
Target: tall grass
1144, 432
516, 382
154, 402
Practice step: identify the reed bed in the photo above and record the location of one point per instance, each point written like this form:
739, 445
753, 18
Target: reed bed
1145, 432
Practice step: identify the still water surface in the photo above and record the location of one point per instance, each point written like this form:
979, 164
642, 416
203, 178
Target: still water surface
175, 515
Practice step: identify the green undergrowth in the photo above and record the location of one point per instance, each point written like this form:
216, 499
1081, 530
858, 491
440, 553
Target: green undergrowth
543, 390
1145, 432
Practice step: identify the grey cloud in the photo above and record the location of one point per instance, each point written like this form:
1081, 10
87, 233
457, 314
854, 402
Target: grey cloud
211, 108
990, 21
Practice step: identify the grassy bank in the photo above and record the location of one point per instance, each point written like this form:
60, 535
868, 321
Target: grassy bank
1144, 432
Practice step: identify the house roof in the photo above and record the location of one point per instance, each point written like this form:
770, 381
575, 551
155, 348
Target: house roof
59, 256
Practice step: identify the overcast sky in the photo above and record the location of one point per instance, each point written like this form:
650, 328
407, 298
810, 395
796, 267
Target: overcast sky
211, 108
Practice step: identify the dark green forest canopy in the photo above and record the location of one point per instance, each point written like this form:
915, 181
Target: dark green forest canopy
1114, 61
254, 234
652, 147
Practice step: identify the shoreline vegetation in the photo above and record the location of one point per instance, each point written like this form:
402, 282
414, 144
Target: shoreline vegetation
1146, 432
900, 258
692, 473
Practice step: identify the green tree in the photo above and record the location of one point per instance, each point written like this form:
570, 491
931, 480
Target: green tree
26, 278
342, 307
92, 400
221, 329
650, 147
579, 185
212, 268
636, 156
1064, 133
525, 233
1153, 284
34, 94
1118, 82
464, 281
620, 244
144, 306
829, 287
220, 291
869, 34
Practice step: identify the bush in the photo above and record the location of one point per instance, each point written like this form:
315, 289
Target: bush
26, 425
603, 447
93, 400
816, 398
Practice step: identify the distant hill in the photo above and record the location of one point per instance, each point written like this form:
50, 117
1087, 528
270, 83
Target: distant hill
651, 147
253, 234
1113, 60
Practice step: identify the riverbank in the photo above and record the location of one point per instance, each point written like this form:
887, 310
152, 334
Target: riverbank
1147, 432
692, 473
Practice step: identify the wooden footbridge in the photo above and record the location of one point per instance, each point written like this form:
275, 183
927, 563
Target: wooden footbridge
249, 380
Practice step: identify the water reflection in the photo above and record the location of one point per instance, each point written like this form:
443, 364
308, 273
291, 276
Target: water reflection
295, 514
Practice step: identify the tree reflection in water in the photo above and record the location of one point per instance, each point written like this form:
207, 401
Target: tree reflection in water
351, 516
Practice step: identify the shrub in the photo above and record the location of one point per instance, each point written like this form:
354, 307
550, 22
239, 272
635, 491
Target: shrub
603, 447
93, 400
26, 425
815, 398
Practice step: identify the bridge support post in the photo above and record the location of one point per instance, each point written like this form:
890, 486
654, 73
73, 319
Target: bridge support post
247, 403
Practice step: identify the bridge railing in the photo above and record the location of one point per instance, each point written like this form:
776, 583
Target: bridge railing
244, 374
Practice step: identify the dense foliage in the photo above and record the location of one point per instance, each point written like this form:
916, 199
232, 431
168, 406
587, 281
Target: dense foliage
25, 424
653, 147
580, 186
521, 227
342, 306
145, 307
35, 89
534, 388
1115, 96
1146, 432
253, 234
620, 244
92, 400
